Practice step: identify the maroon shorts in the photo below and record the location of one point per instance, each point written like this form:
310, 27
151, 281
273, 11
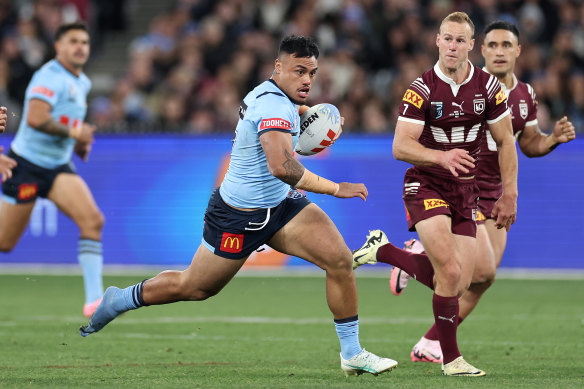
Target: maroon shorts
426, 196
489, 192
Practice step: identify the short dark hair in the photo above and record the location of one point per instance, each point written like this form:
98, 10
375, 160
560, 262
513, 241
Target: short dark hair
502, 25
299, 45
64, 28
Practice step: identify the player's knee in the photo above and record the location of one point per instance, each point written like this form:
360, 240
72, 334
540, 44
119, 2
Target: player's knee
6, 247
451, 272
339, 260
95, 221
484, 276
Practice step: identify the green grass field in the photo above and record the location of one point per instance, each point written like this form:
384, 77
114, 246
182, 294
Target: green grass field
277, 332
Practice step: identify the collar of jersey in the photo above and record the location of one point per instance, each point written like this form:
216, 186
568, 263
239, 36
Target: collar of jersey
55, 60
449, 80
284, 93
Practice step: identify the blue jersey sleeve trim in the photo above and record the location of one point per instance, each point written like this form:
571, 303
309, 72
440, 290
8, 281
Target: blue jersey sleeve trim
274, 129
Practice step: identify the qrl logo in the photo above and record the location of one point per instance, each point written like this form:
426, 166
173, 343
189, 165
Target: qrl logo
231, 243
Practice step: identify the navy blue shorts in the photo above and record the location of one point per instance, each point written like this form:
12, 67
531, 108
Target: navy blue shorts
30, 181
234, 234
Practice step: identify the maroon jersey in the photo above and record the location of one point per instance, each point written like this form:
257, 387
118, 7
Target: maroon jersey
523, 106
453, 116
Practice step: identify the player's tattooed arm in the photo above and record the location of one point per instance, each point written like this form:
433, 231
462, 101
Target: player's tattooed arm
294, 169
52, 127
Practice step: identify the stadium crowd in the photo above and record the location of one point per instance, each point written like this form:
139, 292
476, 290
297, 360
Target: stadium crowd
190, 71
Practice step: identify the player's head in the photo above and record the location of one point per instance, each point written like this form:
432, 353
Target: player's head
72, 45
455, 40
295, 67
501, 47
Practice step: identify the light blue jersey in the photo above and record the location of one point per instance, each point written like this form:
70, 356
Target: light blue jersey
67, 95
248, 182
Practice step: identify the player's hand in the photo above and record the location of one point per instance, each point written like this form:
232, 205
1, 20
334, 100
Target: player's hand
456, 160
564, 130
348, 190
3, 119
85, 133
6, 165
82, 150
505, 212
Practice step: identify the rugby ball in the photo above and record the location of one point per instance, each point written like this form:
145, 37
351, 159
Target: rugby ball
318, 127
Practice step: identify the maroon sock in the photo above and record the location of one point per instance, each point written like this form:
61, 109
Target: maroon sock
432, 333
446, 321
416, 265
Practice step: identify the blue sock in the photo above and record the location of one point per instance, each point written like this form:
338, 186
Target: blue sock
129, 298
91, 259
348, 332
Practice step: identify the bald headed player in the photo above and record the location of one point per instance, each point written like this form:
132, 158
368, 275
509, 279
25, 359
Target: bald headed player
500, 49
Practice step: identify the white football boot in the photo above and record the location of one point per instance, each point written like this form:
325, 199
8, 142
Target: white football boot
366, 362
461, 368
368, 252
427, 350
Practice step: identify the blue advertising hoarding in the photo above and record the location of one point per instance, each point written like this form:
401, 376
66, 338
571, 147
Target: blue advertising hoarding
154, 190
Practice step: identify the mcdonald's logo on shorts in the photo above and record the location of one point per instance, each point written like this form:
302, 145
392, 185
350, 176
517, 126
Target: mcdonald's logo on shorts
434, 203
231, 243
27, 191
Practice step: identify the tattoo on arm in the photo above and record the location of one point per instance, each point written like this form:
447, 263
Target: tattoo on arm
54, 128
294, 169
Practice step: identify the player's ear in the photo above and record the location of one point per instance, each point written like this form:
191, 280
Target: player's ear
518, 51
278, 66
438, 39
472, 42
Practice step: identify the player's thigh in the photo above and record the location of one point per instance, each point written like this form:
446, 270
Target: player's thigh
210, 272
73, 197
313, 236
13, 221
437, 238
498, 239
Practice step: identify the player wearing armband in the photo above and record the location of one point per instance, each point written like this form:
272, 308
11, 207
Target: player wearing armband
257, 204
51, 130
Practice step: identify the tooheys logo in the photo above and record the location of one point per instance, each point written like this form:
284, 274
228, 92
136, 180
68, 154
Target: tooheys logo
43, 91
275, 123
231, 243
434, 203
27, 191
